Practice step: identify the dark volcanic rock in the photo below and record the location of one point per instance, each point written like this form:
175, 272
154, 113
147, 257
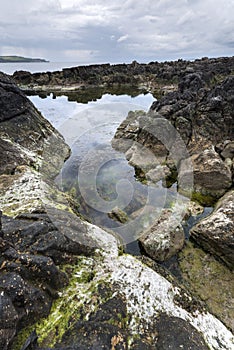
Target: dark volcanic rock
12, 158
104, 330
192, 82
175, 333
55, 234
25, 134
28, 284
107, 329
152, 75
31, 245
30, 302
209, 111
8, 320
204, 118
130, 306
29, 281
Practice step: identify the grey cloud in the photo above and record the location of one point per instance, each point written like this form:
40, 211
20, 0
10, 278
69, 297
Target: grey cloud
116, 32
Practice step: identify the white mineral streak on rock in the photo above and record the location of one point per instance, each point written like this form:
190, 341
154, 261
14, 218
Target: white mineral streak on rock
105, 240
22, 150
26, 193
148, 294
219, 219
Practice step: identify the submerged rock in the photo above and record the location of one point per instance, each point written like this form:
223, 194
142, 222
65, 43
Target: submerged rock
216, 232
118, 215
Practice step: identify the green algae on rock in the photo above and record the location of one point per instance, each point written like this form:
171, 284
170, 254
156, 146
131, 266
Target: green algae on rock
147, 296
210, 280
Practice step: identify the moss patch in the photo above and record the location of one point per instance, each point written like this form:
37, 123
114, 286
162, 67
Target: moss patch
76, 301
69, 306
22, 337
210, 280
205, 200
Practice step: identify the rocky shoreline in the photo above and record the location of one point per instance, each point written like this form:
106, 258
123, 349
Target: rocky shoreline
156, 77
72, 277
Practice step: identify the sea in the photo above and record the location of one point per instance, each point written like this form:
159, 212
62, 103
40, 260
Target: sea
36, 67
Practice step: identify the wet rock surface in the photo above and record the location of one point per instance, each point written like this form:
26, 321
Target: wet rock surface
116, 310
212, 176
201, 111
28, 280
170, 333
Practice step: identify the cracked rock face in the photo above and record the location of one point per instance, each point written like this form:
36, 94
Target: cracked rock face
152, 75
117, 301
216, 232
212, 176
28, 281
164, 238
203, 116
25, 134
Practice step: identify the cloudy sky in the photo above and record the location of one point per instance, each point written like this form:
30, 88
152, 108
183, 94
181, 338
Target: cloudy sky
97, 31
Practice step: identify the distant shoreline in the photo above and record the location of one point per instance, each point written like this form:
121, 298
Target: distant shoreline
20, 59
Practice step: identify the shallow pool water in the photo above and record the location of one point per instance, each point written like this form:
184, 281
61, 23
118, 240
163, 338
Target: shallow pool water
98, 177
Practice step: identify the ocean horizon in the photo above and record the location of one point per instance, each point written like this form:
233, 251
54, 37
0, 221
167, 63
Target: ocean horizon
37, 67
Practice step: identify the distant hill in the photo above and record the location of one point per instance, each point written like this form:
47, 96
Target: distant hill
16, 59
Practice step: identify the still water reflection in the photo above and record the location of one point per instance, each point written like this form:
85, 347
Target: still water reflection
98, 177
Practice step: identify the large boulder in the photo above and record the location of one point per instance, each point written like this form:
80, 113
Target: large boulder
164, 238
29, 280
119, 302
26, 137
202, 115
216, 232
31, 245
212, 176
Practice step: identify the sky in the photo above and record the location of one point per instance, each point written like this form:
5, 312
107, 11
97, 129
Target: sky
116, 31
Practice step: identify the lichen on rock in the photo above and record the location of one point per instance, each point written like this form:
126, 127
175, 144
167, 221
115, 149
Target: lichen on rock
210, 280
